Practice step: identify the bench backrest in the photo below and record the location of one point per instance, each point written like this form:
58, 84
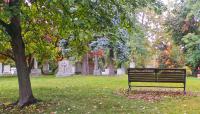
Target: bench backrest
156, 75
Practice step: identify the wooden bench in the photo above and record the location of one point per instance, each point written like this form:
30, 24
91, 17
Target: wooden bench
157, 75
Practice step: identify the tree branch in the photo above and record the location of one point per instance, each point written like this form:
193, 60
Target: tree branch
7, 55
30, 62
3, 23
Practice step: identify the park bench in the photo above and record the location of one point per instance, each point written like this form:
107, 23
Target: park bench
157, 75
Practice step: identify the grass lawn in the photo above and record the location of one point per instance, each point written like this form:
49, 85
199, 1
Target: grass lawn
94, 95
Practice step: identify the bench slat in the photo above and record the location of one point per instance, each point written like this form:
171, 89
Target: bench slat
142, 75
170, 73
170, 77
156, 80
171, 81
142, 79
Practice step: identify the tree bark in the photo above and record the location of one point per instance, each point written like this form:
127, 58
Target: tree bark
14, 30
111, 62
18, 47
85, 65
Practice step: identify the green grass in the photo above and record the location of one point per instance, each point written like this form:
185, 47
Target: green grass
95, 95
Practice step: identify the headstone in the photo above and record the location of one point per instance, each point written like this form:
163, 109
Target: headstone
35, 71
78, 68
65, 68
73, 69
198, 72
120, 71
106, 72
150, 66
91, 67
132, 64
198, 75
7, 70
35, 66
13, 71
96, 71
1, 69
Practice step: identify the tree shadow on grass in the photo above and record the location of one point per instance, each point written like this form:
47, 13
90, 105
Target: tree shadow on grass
52, 98
41, 106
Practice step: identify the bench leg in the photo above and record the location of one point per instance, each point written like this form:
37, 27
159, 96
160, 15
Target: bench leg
184, 90
129, 87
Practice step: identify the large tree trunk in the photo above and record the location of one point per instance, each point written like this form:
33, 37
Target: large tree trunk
85, 65
111, 62
18, 47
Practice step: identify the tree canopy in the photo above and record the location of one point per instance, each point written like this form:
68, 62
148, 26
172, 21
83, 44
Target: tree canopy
184, 24
33, 28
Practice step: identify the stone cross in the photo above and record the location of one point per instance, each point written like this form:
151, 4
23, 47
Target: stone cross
65, 68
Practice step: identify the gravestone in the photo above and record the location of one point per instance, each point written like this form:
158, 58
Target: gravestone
65, 68
1, 69
198, 75
78, 68
35, 71
7, 70
132, 64
73, 69
198, 72
96, 71
149, 66
106, 72
120, 71
35, 66
13, 70
91, 67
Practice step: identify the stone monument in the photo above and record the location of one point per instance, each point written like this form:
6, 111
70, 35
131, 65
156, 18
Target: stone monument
7, 70
132, 64
1, 69
198, 75
121, 71
198, 72
96, 71
13, 70
106, 72
73, 69
78, 68
65, 68
35, 71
